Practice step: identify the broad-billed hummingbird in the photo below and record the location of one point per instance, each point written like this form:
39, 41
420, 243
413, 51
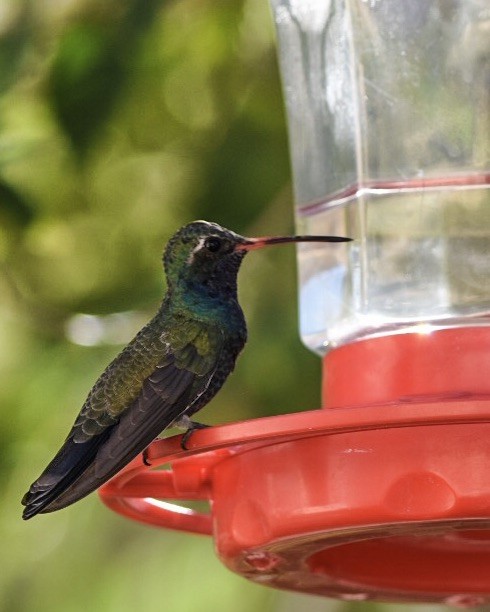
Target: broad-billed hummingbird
171, 369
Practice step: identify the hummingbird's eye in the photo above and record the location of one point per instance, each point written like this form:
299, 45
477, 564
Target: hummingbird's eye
213, 244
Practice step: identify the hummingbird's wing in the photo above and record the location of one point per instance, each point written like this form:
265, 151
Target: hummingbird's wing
86, 461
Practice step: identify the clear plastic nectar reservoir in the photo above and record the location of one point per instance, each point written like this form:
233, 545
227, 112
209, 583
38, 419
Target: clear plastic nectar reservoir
389, 118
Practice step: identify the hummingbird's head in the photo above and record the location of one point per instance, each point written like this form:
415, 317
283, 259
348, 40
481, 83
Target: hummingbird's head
203, 252
209, 255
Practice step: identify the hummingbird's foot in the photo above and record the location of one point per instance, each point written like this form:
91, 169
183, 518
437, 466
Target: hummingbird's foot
191, 428
144, 455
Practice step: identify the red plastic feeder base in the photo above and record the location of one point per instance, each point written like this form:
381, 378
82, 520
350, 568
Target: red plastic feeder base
383, 495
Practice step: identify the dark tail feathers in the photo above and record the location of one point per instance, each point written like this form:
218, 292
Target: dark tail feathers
67, 466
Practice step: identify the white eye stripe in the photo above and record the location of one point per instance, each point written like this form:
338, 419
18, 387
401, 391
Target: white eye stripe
197, 248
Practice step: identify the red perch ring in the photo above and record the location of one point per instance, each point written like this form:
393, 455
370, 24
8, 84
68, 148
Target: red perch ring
384, 494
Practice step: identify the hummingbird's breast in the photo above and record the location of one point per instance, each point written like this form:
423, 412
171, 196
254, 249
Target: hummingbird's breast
211, 303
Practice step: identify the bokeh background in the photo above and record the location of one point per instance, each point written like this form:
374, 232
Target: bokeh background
119, 122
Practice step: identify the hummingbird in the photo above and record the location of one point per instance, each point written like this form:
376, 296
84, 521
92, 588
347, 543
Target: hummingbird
171, 369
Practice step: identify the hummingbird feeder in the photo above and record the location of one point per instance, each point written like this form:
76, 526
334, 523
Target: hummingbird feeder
384, 493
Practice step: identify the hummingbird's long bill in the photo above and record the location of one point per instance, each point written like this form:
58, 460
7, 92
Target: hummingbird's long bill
263, 241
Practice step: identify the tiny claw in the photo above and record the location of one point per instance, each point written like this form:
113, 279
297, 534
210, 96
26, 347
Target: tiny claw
146, 461
192, 426
145, 454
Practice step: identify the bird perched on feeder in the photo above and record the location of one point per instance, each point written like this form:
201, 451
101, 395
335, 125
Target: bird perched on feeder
171, 369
